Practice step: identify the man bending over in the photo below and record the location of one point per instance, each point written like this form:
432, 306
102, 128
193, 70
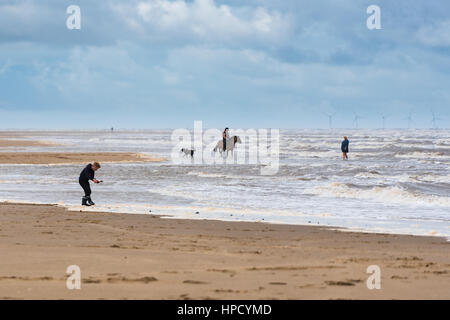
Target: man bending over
86, 175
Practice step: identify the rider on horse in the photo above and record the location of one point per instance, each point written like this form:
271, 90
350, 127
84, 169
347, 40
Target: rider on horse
225, 136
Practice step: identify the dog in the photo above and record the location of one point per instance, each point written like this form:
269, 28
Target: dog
188, 152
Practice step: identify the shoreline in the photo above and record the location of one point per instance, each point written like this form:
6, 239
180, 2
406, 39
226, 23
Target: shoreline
99, 209
139, 256
338, 228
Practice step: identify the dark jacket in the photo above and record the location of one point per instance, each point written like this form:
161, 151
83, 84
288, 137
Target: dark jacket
87, 173
344, 146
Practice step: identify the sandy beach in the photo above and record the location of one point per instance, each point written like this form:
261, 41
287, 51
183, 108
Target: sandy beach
73, 157
125, 256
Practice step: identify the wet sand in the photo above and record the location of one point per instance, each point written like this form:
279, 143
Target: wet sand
7, 143
73, 158
146, 257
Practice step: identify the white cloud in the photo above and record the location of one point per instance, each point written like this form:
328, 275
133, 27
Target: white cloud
21, 18
5, 67
168, 77
166, 13
87, 70
22, 11
435, 35
203, 20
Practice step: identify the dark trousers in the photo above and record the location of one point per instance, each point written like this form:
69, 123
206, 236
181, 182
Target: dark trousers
86, 187
224, 144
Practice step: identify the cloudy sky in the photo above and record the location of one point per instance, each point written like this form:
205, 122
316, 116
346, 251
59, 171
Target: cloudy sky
242, 64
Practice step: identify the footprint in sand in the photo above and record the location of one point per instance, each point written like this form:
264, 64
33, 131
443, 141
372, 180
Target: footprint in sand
194, 282
343, 283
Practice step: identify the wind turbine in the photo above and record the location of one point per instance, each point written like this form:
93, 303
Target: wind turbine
330, 118
410, 119
383, 118
356, 118
434, 119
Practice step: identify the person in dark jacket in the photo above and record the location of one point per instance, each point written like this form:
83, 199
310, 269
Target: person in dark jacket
225, 136
86, 175
344, 148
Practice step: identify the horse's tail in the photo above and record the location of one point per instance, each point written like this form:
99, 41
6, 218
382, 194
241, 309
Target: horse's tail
217, 147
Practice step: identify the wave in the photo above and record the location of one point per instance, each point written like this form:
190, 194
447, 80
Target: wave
413, 178
392, 194
434, 178
203, 174
423, 155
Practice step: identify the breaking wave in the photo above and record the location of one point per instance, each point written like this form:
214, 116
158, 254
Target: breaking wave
391, 194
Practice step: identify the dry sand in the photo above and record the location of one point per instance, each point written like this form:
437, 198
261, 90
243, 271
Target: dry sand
146, 257
73, 158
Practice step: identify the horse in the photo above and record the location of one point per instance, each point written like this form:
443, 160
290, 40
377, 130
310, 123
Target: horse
231, 143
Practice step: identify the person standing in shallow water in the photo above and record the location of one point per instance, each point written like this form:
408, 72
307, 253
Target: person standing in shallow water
344, 148
86, 175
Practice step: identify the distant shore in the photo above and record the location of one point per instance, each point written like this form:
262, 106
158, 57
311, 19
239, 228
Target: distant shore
10, 140
6, 143
74, 157
146, 257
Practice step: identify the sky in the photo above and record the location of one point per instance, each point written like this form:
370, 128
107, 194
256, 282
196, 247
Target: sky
144, 64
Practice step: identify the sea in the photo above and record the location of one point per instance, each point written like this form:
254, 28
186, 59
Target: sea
395, 181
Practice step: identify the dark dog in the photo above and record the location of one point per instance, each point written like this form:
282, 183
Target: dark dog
188, 152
